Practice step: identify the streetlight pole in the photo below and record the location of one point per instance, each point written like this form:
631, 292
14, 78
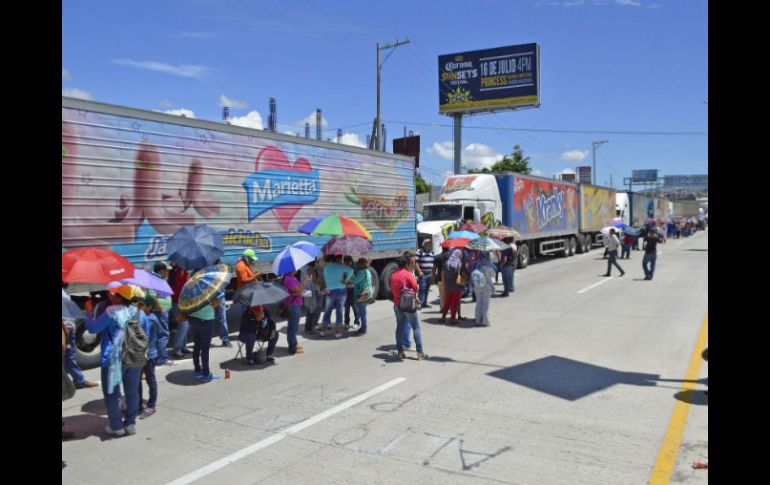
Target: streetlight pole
377, 123
594, 146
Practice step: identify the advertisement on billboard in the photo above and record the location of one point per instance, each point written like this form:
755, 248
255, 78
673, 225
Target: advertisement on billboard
597, 208
489, 79
541, 207
584, 175
644, 176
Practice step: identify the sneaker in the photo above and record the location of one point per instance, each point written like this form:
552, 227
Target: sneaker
186, 351
322, 334
177, 355
421, 356
337, 335
209, 377
147, 413
227, 344
115, 432
250, 362
169, 362
270, 359
361, 331
130, 429
197, 374
401, 356
621, 274
85, 384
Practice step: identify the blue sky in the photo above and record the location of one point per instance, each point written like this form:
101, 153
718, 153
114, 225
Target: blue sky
632, 66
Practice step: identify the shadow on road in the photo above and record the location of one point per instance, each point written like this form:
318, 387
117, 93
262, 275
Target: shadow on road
85, 425
572, 380
183, 378
94, 407
693, 396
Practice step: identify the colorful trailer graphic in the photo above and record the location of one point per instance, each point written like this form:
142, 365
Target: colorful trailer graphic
540, 207
131, 178
597, 207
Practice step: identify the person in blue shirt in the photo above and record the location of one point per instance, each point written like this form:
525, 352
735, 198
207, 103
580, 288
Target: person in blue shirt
111, 327
336, 277
151, 327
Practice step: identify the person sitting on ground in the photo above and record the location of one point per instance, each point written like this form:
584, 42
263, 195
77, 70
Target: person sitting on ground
258, 325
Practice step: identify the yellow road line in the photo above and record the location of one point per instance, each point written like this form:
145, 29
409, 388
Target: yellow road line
669, 450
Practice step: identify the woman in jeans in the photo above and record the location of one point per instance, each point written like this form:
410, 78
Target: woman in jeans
361, 281
202, 329
295, 302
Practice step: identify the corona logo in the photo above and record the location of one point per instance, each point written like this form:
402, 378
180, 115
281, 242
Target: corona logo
458, 58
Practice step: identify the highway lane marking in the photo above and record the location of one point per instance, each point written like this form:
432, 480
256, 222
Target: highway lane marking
271, 440
664, 466
595, 285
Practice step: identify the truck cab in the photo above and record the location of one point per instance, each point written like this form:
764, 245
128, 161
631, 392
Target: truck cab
463, 198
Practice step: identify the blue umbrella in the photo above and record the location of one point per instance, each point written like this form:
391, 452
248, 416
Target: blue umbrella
204, 286
295, 256
195, 247
463, 234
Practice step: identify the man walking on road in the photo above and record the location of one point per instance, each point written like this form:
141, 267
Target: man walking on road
650, 253
425, 261
612, 252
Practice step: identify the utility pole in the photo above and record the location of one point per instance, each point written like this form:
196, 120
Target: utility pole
594, 146
378, 133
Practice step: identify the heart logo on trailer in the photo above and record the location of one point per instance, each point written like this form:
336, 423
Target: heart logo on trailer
280, 186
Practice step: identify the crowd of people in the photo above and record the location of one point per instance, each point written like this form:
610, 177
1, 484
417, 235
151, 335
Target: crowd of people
333, 284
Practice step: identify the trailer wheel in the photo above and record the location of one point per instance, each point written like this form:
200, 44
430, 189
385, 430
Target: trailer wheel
572, 246
88, 352
587, 243
523, 255
388, 270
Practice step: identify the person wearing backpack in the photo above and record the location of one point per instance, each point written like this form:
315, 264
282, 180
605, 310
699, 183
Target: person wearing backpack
483, 286
153, 327
363, 292
112, 327
404, 287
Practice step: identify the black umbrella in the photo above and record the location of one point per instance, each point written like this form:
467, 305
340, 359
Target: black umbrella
70, 310
259, 293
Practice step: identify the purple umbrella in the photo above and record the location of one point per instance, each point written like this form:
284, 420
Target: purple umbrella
347, 245
150, 282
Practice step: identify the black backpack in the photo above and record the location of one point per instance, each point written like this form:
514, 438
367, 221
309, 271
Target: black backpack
135, 344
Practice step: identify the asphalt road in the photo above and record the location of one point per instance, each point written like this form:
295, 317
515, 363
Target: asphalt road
579, 380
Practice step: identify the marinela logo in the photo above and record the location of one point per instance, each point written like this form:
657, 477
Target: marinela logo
280, 186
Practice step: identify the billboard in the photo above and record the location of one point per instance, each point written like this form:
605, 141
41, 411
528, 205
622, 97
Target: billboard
409, 146
490, 79
644, 176
584, 175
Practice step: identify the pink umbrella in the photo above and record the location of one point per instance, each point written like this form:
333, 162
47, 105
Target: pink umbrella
476, 227
349, 245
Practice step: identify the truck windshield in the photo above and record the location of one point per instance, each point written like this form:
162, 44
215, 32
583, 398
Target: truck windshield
442, 212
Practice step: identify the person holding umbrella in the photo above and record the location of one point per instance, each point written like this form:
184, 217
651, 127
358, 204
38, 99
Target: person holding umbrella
111, 326
336, 276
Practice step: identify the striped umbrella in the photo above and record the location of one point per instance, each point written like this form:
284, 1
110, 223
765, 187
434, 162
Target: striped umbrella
204, 286
293, 257
334, 225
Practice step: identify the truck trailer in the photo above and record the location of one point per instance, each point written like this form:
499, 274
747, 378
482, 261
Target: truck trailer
552, 217
131, 178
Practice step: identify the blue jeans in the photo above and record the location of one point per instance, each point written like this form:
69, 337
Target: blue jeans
350, 302
424, 289
361, 307
70, 364
507, 271
180, 339
202, 331
613, 260
626, 251
131, 377
152, 383
220, 316
163, 335
648, 264
295, 312
405, 321
335, 300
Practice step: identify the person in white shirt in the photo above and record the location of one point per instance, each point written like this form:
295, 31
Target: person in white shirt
612, 251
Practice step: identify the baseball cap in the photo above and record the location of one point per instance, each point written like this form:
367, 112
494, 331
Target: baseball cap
250, 253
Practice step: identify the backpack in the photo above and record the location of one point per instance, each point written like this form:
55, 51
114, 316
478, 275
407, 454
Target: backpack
407, 302
478, 279
135, 344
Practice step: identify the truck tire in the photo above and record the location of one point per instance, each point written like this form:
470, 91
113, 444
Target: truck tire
572, 246
88, 352
580, 245
523, 255
375, 281
564, 252
384, 282
587, 243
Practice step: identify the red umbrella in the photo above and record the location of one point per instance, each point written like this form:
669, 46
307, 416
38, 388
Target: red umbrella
460, 242
476, 227
92, 265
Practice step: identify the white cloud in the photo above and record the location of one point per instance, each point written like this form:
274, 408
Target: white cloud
181, 112
76, 93
185, 70
350, 139
232, 103
536, 172
574, 156
474, 156
65, 74
252, 120
311, 119
628, 3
